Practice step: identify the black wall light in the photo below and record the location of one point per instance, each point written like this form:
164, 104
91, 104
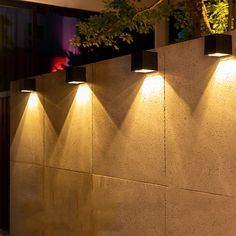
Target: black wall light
76, 75
218, 45
144, 61
27, 85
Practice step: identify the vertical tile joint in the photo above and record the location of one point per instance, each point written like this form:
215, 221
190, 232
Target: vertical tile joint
164, 112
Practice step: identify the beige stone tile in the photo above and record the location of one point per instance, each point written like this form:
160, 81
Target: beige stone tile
67, 198
198, 214
201, 132
128, 127
68, 123
125, 208
26, 203
26, 126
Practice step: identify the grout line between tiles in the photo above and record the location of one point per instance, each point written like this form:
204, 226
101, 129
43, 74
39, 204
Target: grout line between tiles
165, 214
165, 157
92, 107
69, 170
44, 143
209, 193
165, 154
130, 180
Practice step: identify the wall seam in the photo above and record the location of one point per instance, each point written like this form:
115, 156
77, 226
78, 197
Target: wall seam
123, 179
165, 154
92, 216
209, 193
92, 113
44, 152
131, 180
165, 213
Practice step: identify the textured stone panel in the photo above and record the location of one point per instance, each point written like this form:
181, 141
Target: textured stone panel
68, 123
125, 208
201, 128
27, 115
128, 126
26, 201
67, 203
195, 214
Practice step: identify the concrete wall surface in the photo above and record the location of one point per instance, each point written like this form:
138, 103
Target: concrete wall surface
126, 153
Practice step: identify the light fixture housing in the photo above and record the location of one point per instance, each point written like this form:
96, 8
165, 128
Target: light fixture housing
27, 85
75, 75
144, 61
218, 45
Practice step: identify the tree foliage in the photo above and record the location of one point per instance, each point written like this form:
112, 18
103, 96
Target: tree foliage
122, 17
202, 18
116, 22
218, 11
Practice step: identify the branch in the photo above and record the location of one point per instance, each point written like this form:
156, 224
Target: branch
153, 6
230, 16
205, 17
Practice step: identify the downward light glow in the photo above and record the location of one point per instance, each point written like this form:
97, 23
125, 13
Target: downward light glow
83, 94
26, 91
217, 54
33, 101
226, 70
75, 82
152, 86
144, 71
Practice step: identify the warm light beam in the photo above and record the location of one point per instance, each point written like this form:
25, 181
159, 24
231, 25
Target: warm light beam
152, 86
217, 54
144, 71
33, 101
83, 94
226, 70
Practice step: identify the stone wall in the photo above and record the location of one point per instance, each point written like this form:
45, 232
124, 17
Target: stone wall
128, 154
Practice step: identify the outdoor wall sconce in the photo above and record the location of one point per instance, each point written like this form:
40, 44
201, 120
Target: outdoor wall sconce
75, 75
144, 62
27, 85
218, 45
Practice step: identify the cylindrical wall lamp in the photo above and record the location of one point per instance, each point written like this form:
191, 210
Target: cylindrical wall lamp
75, 75
27, 85
144, 61
218, 45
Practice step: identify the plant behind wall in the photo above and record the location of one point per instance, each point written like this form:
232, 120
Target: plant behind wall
115, 24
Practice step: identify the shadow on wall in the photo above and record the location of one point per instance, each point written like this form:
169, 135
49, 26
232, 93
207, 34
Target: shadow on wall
117, 90
58, 98
188, 78
122, 154
20, 109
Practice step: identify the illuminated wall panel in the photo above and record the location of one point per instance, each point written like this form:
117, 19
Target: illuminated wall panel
127, 153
